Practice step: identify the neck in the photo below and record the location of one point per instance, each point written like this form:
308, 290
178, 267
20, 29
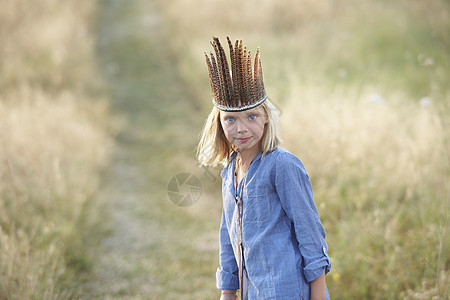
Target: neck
246, 157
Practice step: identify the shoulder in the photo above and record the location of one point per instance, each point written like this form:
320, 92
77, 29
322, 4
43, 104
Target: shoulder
286, 162
284, 158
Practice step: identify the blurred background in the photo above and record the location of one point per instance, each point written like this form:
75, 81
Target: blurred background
101, 104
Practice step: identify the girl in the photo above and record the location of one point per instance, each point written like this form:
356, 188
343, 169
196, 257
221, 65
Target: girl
272, 243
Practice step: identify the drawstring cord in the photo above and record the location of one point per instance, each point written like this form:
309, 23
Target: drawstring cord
239, 212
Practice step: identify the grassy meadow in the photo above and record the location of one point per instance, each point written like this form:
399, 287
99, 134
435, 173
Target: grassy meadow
104, 100
54, 137
365, 100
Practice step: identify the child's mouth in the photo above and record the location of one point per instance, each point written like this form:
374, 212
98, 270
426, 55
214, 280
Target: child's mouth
243, 140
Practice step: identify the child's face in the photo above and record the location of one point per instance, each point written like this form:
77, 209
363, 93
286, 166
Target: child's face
244, 129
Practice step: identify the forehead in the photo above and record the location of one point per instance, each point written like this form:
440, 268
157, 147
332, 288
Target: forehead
255, 110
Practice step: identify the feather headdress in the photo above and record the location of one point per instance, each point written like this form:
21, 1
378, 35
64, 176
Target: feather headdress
240, 86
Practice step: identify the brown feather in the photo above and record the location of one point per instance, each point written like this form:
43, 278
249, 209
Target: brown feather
248, 63
239, 83
226, 75
234, 77
211, 77
260, 78
217, 88
256, 74
220, 76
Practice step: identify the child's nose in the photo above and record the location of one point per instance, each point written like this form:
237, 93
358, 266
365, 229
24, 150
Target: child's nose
241, 127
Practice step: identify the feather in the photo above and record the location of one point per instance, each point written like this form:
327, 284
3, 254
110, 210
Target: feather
239, 84
248, 66
256, 74
222, 86
217, 87
242, 95
211, 77
234, 77
225, 74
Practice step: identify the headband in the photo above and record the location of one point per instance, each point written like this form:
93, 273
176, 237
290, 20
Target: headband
240, 87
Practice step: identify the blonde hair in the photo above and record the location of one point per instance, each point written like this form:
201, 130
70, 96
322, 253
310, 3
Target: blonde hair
214, 148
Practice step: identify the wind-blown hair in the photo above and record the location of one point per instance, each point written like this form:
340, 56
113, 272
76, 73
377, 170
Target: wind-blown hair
214, 148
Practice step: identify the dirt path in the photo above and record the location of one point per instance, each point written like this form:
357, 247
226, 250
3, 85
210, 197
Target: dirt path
154, 250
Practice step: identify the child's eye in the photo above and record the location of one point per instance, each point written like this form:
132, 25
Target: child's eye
252, 117
230, 119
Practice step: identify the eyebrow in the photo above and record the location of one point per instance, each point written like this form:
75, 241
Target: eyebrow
251, 113
228, 114
234, 115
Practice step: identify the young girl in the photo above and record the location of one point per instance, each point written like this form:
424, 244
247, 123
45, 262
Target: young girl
272, 242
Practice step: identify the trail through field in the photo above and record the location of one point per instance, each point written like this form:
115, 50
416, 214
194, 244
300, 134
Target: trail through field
153, 249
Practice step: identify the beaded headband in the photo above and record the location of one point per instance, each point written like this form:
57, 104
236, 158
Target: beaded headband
240, 88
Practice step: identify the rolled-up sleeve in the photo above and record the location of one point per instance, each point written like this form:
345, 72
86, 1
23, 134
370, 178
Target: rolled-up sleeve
295, 192
227, 274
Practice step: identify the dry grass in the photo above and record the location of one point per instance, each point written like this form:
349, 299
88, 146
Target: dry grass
53, 143
349, 79
49, 44
380, 173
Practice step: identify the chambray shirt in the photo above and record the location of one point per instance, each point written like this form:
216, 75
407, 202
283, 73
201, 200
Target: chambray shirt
283, 237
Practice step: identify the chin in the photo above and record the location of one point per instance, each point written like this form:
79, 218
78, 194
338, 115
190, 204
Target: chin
246, 147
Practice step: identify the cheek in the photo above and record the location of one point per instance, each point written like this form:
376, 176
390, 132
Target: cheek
226, 129
258, 128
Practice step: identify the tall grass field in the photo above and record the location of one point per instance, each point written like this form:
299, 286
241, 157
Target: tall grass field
363, 91
53, 143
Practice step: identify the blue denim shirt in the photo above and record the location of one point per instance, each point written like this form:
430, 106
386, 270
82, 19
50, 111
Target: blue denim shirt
283, 237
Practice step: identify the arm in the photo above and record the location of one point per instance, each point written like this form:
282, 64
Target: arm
318, 288
228, 295
227, 277
296, 196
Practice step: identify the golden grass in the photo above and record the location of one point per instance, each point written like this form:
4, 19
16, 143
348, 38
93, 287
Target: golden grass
53, 143
49, 43
380, 175
49, 156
